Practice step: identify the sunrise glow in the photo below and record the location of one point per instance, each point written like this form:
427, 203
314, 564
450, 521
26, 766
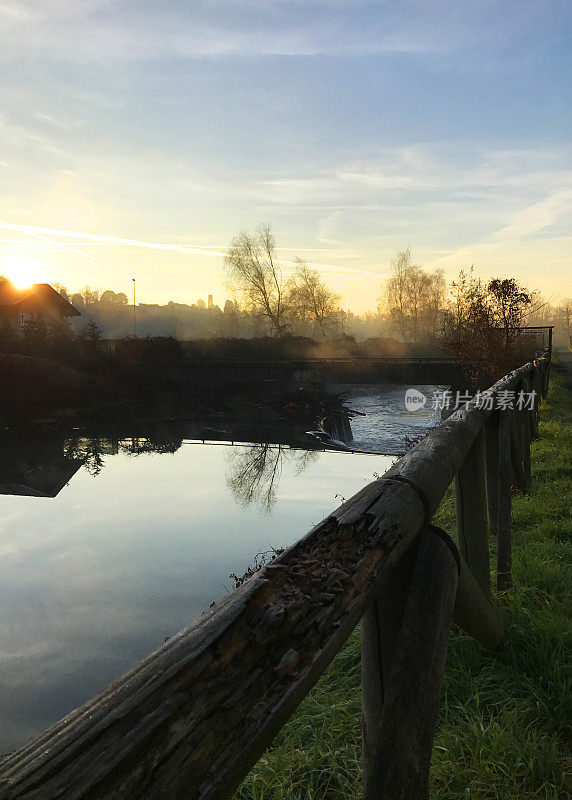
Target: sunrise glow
23, 272
292, 114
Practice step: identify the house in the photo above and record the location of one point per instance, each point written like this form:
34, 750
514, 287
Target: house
16, 305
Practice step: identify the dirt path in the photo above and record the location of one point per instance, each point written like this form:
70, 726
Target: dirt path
565, 366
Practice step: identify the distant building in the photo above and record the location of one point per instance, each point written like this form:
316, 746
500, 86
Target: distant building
18, 304
210, 303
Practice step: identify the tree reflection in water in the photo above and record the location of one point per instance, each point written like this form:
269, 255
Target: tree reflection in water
254, 472
91, 449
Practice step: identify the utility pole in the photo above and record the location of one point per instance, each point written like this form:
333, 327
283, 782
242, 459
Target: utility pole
134, 312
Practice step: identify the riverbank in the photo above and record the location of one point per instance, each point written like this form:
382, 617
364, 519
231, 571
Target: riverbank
502, 726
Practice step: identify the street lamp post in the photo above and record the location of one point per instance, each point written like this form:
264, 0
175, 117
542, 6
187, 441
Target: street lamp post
134, 313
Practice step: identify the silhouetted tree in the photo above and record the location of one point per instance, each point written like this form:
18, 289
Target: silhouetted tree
253, 270
231, 318
114, 298
89, 295
35, 336
563, 318
89, 339
413, 299
482, 325
62, 342
508, 300
311, 300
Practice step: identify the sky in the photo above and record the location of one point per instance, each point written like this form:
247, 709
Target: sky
138, 138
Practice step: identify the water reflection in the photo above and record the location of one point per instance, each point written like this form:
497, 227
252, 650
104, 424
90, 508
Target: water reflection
36, 468
41, 466
97, 577
254, 472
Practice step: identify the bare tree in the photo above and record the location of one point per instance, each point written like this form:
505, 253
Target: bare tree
395, 299
311, 299
563, 318
413, 299
89, 295
253, 270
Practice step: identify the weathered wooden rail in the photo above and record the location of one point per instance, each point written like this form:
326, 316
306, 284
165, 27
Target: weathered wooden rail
191, 719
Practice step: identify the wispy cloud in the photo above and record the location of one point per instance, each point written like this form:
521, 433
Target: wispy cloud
103, 30
53, 235
536, 217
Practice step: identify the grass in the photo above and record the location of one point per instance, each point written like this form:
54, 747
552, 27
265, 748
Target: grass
503, 729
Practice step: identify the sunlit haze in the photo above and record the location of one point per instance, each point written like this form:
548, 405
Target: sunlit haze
139, 138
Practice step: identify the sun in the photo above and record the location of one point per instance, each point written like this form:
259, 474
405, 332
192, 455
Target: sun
23, 272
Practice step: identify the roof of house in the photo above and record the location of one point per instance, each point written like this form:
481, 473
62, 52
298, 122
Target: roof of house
11, 297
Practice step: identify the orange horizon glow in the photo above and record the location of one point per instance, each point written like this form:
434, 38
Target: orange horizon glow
23, 272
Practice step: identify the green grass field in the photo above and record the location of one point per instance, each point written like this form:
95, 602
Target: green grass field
503, 729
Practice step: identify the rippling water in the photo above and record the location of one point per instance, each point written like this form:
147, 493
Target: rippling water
387, 425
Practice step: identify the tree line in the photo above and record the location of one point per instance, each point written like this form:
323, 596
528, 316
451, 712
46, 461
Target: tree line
416, 306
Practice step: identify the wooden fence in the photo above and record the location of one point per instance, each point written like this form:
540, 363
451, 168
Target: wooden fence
191, 719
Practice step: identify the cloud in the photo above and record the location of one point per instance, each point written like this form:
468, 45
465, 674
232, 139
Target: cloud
537, 216
53, 235
96, 30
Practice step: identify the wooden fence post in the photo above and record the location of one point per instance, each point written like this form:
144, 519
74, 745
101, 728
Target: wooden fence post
471, 509
535, 387
543, 378
516, 451
492, 469
525, 423
474, 612
380, 628
401, 755
548, 362
504, 504
527, 387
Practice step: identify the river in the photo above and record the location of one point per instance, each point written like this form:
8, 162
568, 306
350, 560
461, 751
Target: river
108, 546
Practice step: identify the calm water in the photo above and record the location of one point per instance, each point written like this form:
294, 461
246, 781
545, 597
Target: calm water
129, 546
